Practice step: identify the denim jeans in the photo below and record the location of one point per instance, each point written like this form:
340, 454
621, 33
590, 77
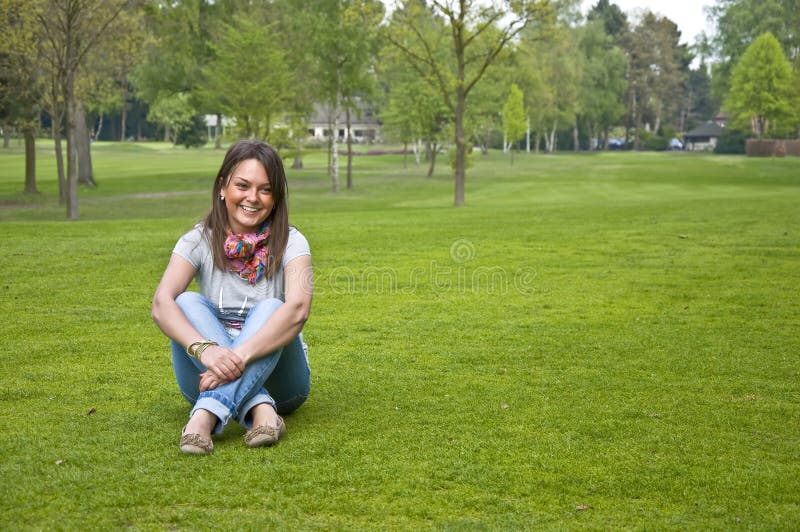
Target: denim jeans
281, 378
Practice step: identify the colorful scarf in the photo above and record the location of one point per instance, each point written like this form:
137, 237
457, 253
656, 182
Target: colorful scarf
247, 254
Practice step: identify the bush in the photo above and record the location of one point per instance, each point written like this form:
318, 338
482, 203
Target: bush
733, 141
193, 135
654, 143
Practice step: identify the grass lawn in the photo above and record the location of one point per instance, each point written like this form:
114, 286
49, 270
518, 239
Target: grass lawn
594, 341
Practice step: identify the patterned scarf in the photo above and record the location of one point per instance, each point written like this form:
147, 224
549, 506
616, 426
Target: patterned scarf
247, 253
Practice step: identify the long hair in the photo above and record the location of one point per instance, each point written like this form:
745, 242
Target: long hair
216, 221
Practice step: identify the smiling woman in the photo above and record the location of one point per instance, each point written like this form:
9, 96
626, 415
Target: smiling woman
237, 347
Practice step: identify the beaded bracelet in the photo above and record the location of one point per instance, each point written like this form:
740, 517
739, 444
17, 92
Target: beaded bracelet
196, 349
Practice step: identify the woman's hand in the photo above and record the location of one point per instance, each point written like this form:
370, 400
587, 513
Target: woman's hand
222, 363
208, 381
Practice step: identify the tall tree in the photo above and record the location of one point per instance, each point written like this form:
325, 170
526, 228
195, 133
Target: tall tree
176, 48
656, 72
342, 39
740, 22
251, 87
71, 28
764, 93
604, 82
21, 84
478, 34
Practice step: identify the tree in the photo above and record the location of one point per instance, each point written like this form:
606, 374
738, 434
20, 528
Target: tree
251, 87
415, 112
71, 28
21, 85
478, 34
514, 118
740, 22
342, 39
657, 65
176, 48
174, 112
764, 92
614, 21
604, 83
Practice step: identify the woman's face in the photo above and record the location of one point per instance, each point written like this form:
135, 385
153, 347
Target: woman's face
248, 197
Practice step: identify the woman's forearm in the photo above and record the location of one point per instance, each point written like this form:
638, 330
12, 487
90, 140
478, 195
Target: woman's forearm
168, 316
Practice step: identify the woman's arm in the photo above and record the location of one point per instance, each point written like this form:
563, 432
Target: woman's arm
221, 361
286, 322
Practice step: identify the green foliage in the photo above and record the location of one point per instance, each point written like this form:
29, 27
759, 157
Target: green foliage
594, 342
764, 92
251, 87
174, 112
740, 22
514, 115
604, 80
194, 135
731, 142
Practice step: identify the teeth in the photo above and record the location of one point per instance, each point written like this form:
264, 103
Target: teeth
249, 209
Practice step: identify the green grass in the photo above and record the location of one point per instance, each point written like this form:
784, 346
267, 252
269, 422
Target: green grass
594, 341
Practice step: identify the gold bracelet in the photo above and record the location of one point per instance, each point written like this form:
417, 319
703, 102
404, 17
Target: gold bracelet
196, 349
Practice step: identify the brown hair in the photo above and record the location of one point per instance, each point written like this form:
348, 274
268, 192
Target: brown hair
216, 221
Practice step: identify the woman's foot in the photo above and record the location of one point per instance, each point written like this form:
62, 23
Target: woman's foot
196, 437
268, 427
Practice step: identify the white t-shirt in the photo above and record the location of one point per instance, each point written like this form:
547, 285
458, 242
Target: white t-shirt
234, 296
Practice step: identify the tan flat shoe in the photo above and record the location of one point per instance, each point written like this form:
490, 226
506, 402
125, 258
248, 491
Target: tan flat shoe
195, 444
265, 434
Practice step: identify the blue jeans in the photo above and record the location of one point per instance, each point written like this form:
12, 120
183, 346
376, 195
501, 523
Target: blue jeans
281, 378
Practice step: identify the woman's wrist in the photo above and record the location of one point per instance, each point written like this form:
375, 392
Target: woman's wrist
195, 349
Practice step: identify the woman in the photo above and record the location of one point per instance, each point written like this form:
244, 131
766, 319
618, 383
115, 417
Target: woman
237, 350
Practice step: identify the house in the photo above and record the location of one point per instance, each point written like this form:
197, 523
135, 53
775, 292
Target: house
364, 127
704, 137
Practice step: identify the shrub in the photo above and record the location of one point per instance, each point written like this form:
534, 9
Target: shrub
655, 143
733, 141
194, 135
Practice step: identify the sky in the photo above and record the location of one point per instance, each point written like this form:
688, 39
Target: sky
687, 14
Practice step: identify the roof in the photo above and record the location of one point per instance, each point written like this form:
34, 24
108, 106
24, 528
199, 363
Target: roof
709, 129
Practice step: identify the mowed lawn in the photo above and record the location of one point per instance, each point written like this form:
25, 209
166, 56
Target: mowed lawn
594, 341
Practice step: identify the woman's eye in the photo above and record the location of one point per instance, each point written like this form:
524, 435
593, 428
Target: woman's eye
266, 191
241, 186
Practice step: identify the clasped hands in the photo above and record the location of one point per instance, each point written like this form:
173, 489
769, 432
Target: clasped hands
222, 365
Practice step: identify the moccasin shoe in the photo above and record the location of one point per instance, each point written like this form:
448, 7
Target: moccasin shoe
196, 444
265, 434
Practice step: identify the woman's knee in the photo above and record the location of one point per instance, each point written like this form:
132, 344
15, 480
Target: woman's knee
263, 310
190, 299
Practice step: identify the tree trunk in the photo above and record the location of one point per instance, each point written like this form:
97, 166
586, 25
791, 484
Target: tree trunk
85, 173
528, 137
30, 161
297, 164
405, 154
575, 146
72, 156
124, 117
349, 149
6, 137
461, 144
99, 127
335, 149
62, 188
217, 133
658, 118
432, 166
